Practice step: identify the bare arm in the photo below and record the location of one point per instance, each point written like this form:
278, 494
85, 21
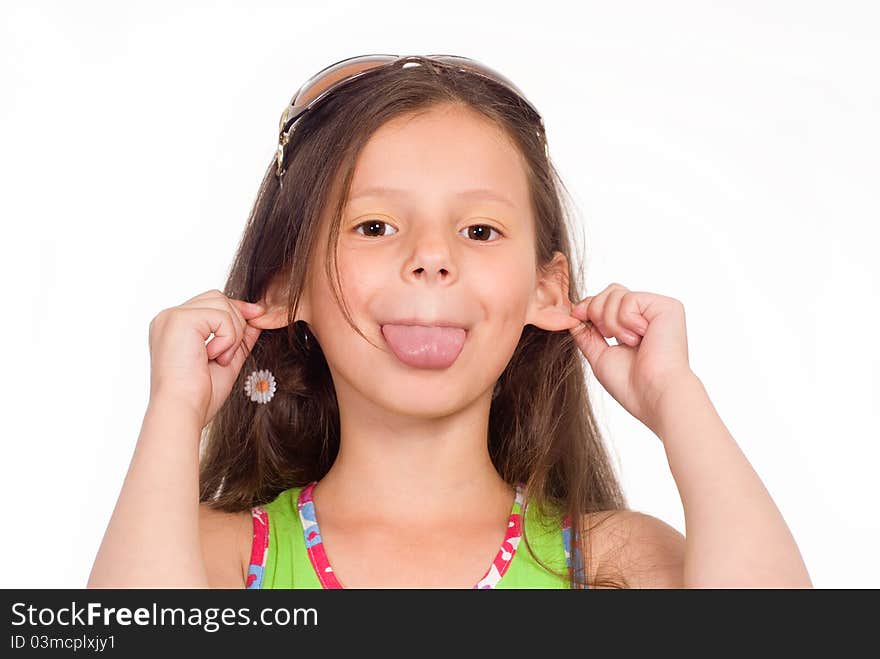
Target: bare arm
736, 536
645, 550
152, 539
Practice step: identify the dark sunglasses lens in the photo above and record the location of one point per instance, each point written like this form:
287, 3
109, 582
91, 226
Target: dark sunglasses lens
477, 67
323, 80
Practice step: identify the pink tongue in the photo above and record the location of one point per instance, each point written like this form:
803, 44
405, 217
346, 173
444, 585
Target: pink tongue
425, 347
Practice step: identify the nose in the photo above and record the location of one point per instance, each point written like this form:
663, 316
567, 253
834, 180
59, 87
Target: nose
431, 260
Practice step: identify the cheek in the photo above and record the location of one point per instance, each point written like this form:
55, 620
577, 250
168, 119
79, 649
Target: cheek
505, 289
361, 275
356, 285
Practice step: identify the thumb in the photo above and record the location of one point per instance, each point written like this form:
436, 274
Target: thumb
590, 341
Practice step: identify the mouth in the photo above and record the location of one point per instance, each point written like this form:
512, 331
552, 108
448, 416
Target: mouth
434, 344
420, 322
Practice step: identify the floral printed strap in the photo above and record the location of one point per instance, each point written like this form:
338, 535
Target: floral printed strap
259, 549
314, 543
566, 542
504, 557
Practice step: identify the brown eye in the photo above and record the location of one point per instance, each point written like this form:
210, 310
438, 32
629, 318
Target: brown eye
373, 228
481, 232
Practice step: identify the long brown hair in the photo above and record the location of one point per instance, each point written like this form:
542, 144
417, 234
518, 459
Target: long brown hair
542, 430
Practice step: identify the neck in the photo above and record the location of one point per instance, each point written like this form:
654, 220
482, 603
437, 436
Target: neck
413, 468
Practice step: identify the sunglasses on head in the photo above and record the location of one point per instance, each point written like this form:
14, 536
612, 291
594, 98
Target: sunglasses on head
320, 85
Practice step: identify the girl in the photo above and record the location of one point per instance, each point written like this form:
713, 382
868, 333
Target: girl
392, 392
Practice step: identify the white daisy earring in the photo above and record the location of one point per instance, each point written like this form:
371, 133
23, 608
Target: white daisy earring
260, 386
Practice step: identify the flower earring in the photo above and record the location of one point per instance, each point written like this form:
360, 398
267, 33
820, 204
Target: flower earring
260, 386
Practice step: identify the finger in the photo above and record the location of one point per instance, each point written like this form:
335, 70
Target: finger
611, 318
251, 334
609, 311
220, 323
225, 339
268, 320
235, 307
222, 350
590, 342
590, 308
631, 315
248, 310
207, 295
650, 305
596, 311
226, 357
579, 310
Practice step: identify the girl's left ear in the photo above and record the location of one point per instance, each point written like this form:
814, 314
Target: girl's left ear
549, 307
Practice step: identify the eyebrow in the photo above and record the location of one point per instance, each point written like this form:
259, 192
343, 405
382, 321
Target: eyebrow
472, 193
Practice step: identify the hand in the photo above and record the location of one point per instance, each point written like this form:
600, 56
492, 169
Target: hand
191, 372
652, 352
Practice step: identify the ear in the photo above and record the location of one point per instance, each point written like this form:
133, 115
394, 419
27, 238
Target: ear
275, 300
549, 307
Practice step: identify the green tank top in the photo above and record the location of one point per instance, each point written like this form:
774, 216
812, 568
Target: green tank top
288, 551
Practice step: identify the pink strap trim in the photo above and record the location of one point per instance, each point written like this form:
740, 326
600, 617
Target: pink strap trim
504, 557
259, 547
314, 542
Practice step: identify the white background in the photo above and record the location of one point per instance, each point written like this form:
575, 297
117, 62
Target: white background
721, 153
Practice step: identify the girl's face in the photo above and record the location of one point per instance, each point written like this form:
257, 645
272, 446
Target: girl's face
438, 228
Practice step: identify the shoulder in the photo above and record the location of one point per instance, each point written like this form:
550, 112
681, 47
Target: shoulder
645, 550
226, 540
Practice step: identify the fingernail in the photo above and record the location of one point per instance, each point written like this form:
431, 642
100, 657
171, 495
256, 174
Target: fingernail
629, 337
580, 307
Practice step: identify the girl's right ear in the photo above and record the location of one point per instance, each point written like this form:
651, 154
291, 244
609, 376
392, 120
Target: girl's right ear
273, 318
275, 304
